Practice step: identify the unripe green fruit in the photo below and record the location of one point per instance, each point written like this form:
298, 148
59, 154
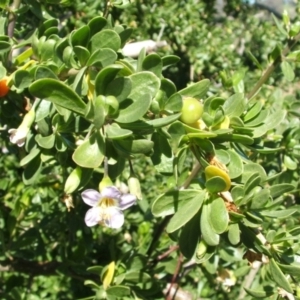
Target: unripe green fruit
191, 111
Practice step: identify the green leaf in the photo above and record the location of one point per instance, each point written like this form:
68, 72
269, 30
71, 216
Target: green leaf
81, 36
270, 122
102, 58
292, 269
174, 103
104, 77
279, 214
204, 252
82, 54
90, 154
229, 137
208, 233
4, 47
235, 105
187, 211
197, 90
189, 237
153, 63
279, 277
279, 189
218, 216
253, 181
30, 156
161, 122
115, 132
46, 142
290, 163
58, 93
279, 26
128, 147
43, 110
215, 184
119, 87
144, 87
46, 49
172, 201
251, 168
22, 79
287, 71
106, 38
97, 24
254, 60
118, 291
257, 294
260, 199
43, 72
170, 60
235, 166
234, 233
263, 150
32, 170
99, 111
253, 111
125, 35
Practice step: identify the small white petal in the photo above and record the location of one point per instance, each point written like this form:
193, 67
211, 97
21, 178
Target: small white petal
111, 192
18, 136
127, 200
114, 217
93, 216
91, 197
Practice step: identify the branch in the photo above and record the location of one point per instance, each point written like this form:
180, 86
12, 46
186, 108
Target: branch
271, 67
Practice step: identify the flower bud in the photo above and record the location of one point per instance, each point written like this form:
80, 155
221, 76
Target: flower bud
73, 181
134, 186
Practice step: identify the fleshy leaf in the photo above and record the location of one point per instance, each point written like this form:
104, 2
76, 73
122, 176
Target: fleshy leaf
90, 154
187, 211
279, 277
58, 93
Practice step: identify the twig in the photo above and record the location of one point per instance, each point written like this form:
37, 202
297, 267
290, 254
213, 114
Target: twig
194, 172
271, 67
169, 296
249, 279
12, 18
167, 253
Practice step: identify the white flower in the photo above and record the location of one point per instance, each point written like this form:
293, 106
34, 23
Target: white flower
18, 136
107, 206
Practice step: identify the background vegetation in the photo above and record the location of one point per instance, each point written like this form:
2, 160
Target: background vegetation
243, 64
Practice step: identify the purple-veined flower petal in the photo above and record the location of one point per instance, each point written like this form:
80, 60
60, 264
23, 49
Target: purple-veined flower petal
114, 217
93, 216
91, 197
111, 192
126, 201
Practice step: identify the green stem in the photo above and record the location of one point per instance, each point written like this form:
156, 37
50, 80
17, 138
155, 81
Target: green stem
291, 44
105, 167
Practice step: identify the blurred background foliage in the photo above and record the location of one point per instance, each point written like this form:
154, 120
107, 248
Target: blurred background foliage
47, 249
